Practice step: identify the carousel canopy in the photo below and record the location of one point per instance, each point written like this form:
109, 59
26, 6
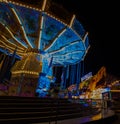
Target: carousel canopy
42, 27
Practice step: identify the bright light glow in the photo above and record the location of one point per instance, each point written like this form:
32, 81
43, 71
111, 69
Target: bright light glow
15, 37
25, 72
44, 4
85, 36
72, 21
9, 47
39, 40
12, 43
22, 27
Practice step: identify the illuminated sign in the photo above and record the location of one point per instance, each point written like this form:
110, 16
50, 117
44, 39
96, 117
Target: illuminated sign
87, 76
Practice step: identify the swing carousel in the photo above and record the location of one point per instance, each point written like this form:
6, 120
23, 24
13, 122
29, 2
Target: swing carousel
42, 35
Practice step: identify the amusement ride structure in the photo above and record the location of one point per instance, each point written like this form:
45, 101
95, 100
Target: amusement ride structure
41, 35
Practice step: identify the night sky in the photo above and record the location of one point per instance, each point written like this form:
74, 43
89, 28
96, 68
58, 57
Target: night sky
100, 20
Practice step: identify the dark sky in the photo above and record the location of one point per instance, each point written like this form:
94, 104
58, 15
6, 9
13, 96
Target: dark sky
100, 20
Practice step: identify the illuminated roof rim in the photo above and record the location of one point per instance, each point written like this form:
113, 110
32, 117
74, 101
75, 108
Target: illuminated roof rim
83, 38
40, 10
